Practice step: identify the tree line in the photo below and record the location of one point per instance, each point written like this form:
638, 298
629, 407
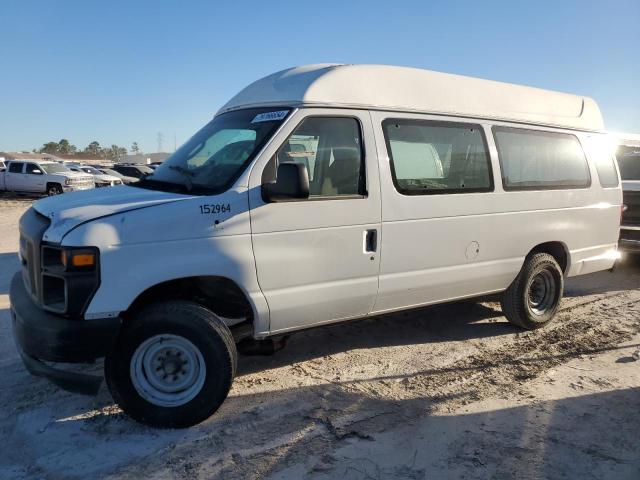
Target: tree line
114, 153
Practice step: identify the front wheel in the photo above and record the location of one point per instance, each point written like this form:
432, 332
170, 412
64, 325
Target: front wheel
173, 365
533, 299
54, 189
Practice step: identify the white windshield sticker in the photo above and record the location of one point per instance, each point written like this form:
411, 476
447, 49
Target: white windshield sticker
270, 116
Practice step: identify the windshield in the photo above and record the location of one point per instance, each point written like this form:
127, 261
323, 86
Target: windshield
216, 156
110, 172
90, 170
144, 169
629, 161
54, 168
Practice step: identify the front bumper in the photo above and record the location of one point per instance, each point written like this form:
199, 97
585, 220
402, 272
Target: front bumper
77, 188
42, 336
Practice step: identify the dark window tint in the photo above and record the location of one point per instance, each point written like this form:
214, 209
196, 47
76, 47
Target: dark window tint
33, 168
437, 157
15, 167
601, 153
629, 161
331, 150
534, 160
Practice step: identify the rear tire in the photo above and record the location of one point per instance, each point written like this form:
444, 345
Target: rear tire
533, 299
173, 365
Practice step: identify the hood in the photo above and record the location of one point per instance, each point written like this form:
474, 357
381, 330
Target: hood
69, 210
83, 177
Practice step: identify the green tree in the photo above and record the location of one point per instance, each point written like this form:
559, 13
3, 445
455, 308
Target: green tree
66, 148
50, 148
115, 153
135, 148
94, 149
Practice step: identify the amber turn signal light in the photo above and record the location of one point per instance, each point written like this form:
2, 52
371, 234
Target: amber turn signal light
83, 260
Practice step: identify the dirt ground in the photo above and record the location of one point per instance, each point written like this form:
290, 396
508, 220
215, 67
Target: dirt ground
450, 391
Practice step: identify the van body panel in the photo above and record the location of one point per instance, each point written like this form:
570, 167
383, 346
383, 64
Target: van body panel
310, 258
172, 240
386, 87
446, 246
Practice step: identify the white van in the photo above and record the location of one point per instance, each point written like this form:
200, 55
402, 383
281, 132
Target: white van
318, 194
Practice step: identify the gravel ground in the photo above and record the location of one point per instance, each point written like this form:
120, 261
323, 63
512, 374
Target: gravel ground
450, 391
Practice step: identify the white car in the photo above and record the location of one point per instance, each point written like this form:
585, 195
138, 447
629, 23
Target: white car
126, 180
52, 178
318, 194
101, 179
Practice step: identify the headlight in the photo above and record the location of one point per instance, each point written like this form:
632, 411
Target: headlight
68, 181
70, 277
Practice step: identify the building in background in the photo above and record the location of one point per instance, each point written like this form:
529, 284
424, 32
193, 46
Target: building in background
146, 158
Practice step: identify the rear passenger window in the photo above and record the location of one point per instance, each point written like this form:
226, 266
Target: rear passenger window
535, 160
437, 157
331, 150
15, 167
601, 152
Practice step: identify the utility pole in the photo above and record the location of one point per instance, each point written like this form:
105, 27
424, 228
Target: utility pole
160, 140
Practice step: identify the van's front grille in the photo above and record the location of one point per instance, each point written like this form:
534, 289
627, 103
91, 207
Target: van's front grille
32, 228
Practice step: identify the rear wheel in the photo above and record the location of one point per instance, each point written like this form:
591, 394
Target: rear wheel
173, 365
533, 299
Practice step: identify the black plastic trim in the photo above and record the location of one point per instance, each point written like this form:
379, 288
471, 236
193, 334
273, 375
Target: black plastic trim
46, 336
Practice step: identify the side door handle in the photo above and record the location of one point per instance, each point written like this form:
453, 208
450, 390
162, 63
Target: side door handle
371, 241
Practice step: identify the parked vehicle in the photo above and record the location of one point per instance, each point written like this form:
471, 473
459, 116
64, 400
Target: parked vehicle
100, 179
2, 166
132, 170
126, 180
309, 200
27, 176
628, 154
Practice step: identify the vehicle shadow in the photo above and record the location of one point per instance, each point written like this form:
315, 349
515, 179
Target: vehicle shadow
434, 324
626, 275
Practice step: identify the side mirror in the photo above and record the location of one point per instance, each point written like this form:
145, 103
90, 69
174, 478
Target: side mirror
292, 183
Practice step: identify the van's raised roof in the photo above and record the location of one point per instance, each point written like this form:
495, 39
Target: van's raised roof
384, 87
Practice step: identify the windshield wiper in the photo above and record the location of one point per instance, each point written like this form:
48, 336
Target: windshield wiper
186, 174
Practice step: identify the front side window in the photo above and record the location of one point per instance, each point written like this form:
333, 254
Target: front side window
15, 167
218, 154
629, 162
331, 150
536, 160
429, 157
33, 169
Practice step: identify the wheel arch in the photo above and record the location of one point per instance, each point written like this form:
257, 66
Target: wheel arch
557, 250
219, 294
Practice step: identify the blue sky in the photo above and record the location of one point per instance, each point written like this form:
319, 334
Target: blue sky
122, 71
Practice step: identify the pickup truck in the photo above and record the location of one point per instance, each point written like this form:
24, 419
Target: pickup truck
42, 177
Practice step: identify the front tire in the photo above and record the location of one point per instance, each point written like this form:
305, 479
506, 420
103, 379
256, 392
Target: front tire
173, 365
54, 189
533, 299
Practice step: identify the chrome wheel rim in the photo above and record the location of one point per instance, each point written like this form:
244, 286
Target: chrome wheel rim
167, 370
542, 292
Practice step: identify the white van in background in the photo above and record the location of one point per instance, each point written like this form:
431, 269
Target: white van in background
318, 194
